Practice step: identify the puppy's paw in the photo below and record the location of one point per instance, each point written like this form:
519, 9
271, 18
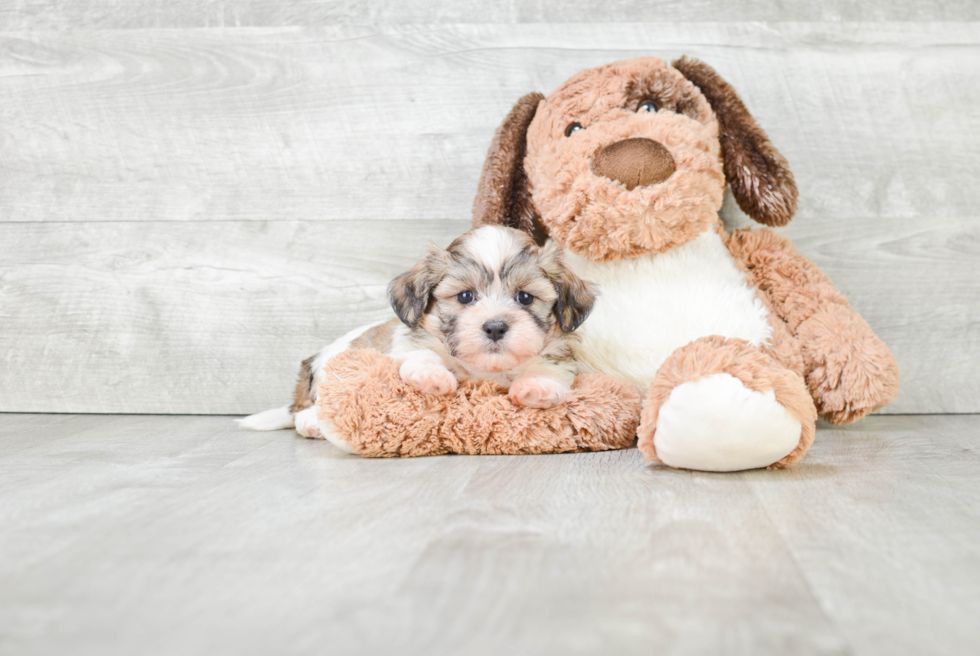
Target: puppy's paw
306, 423
538, 392
427, 376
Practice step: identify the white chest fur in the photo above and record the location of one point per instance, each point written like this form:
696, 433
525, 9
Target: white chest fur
651, 305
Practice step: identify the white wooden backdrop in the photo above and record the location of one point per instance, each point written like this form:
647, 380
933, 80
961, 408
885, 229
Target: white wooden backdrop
196, 196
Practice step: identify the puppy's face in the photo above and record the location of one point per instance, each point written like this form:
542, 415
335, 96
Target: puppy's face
624, 160
494, 298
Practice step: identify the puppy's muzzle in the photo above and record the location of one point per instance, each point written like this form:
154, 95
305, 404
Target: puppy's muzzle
495, 330
635, 162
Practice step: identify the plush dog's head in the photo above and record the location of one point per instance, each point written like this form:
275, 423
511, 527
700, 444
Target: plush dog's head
631, 158
493, 297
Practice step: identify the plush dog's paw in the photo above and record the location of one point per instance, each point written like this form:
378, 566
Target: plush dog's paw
716, 423
851, 372
427, 376
538, 392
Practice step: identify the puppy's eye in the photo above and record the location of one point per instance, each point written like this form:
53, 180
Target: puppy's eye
574, 127
524, 298
465, 297
647, 106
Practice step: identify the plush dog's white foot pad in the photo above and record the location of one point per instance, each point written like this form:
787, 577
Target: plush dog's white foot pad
718, 424
308, 425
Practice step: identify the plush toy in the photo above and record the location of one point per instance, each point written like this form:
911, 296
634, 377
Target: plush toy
364, 407
735, 343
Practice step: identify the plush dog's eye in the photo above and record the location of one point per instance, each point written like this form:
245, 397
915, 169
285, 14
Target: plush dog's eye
647, 106
465, 297
524, 298
574, 127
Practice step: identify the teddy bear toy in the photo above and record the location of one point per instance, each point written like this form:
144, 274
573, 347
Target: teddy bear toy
732, 344
736, 342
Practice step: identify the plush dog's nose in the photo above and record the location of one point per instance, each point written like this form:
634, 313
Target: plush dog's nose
495, 330
635, 162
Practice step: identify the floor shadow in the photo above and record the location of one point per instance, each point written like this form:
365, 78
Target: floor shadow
801, 470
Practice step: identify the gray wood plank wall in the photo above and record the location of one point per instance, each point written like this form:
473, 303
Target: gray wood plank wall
187, 213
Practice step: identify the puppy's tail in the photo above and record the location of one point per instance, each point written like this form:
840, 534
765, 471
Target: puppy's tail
274, 419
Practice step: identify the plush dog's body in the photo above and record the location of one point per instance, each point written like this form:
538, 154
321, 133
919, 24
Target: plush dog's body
736, 341
493, 305
654, 304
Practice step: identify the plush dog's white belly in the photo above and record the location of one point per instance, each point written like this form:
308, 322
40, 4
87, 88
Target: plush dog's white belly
651, 305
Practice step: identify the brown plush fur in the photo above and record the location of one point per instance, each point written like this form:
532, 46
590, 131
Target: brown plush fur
783, 347
502, 197
600, 218
849, 370
364, 401
756, 370
759, 176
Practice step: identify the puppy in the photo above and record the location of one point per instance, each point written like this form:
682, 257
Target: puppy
492, 305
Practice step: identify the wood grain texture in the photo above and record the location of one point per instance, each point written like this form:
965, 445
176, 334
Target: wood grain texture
209, 317
214, 317
167, 535
232, 124
888, 510
61, 14
125, 144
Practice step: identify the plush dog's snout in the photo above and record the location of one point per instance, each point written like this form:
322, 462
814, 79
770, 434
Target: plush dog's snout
635, 162
495, 330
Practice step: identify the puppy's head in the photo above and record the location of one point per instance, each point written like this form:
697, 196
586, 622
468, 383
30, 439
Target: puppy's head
493, 297
631, 158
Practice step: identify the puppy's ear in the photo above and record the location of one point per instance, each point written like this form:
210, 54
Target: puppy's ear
759, 176
411, 292
503, 197
575, 296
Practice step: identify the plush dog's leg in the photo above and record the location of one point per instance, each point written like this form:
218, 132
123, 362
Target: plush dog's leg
723, 405
424, 370
309, 425
849, 370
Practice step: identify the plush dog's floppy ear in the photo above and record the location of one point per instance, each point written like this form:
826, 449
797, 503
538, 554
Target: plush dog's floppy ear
502, 197
575, 296
411, 292
759, 176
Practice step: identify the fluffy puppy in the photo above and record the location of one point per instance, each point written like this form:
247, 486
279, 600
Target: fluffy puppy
492, 305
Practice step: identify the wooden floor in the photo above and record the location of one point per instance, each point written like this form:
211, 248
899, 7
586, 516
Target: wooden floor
186, 535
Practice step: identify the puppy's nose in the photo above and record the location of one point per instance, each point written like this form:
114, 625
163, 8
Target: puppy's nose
635, 162
495, 330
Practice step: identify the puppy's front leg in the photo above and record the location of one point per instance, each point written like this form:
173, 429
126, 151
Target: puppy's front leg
424, 370
539, 390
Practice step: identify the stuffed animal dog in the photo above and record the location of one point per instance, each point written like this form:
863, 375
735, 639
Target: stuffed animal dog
736, 341
493, 305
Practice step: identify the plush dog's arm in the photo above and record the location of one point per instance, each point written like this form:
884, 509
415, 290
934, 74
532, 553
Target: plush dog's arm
849, 370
